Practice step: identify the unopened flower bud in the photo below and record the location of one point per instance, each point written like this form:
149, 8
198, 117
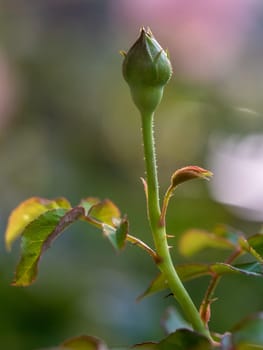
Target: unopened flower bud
147, 69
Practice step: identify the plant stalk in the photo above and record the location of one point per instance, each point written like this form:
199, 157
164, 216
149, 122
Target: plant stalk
159, 231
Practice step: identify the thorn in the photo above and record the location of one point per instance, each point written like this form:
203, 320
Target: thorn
123, 53
170, 246
167, 53
170, 236
145, 187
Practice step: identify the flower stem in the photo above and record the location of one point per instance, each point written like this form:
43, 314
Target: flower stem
159, 232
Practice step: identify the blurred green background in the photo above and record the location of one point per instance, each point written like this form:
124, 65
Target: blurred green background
68, 128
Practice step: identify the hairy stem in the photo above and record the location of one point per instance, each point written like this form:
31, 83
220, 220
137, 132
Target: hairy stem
159, 231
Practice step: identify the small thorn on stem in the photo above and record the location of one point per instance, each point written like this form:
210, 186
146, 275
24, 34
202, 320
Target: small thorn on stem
123, 53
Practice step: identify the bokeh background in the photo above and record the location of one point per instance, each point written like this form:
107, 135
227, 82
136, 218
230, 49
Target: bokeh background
68, 128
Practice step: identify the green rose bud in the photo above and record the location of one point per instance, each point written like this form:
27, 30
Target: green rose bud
147, 69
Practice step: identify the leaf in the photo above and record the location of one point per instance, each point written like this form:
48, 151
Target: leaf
253, 245
190, 271
173, 320
88, 202
37, 237
256, 242
121, 233
105, 212
106, 215
187, 173
184, 339
248, 334
84, 342
110, 233
193, 241
157, 285
28, 211
254, 268
116, 236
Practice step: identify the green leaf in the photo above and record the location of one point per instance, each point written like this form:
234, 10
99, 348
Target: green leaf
157, 285
184, 339
28, 211
190, 271
37, 237
251, 269
88, 202
173, 320
256, 242
84, 342
105, 212
110, 233
121, 233
193, 241
116, 236
253, 245
249, 333
106, 215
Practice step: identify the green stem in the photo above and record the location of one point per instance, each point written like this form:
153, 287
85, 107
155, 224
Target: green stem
159, 232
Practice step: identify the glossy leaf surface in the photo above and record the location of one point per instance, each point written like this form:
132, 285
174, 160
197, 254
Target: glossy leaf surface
37, 237
28, 211
105, 212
